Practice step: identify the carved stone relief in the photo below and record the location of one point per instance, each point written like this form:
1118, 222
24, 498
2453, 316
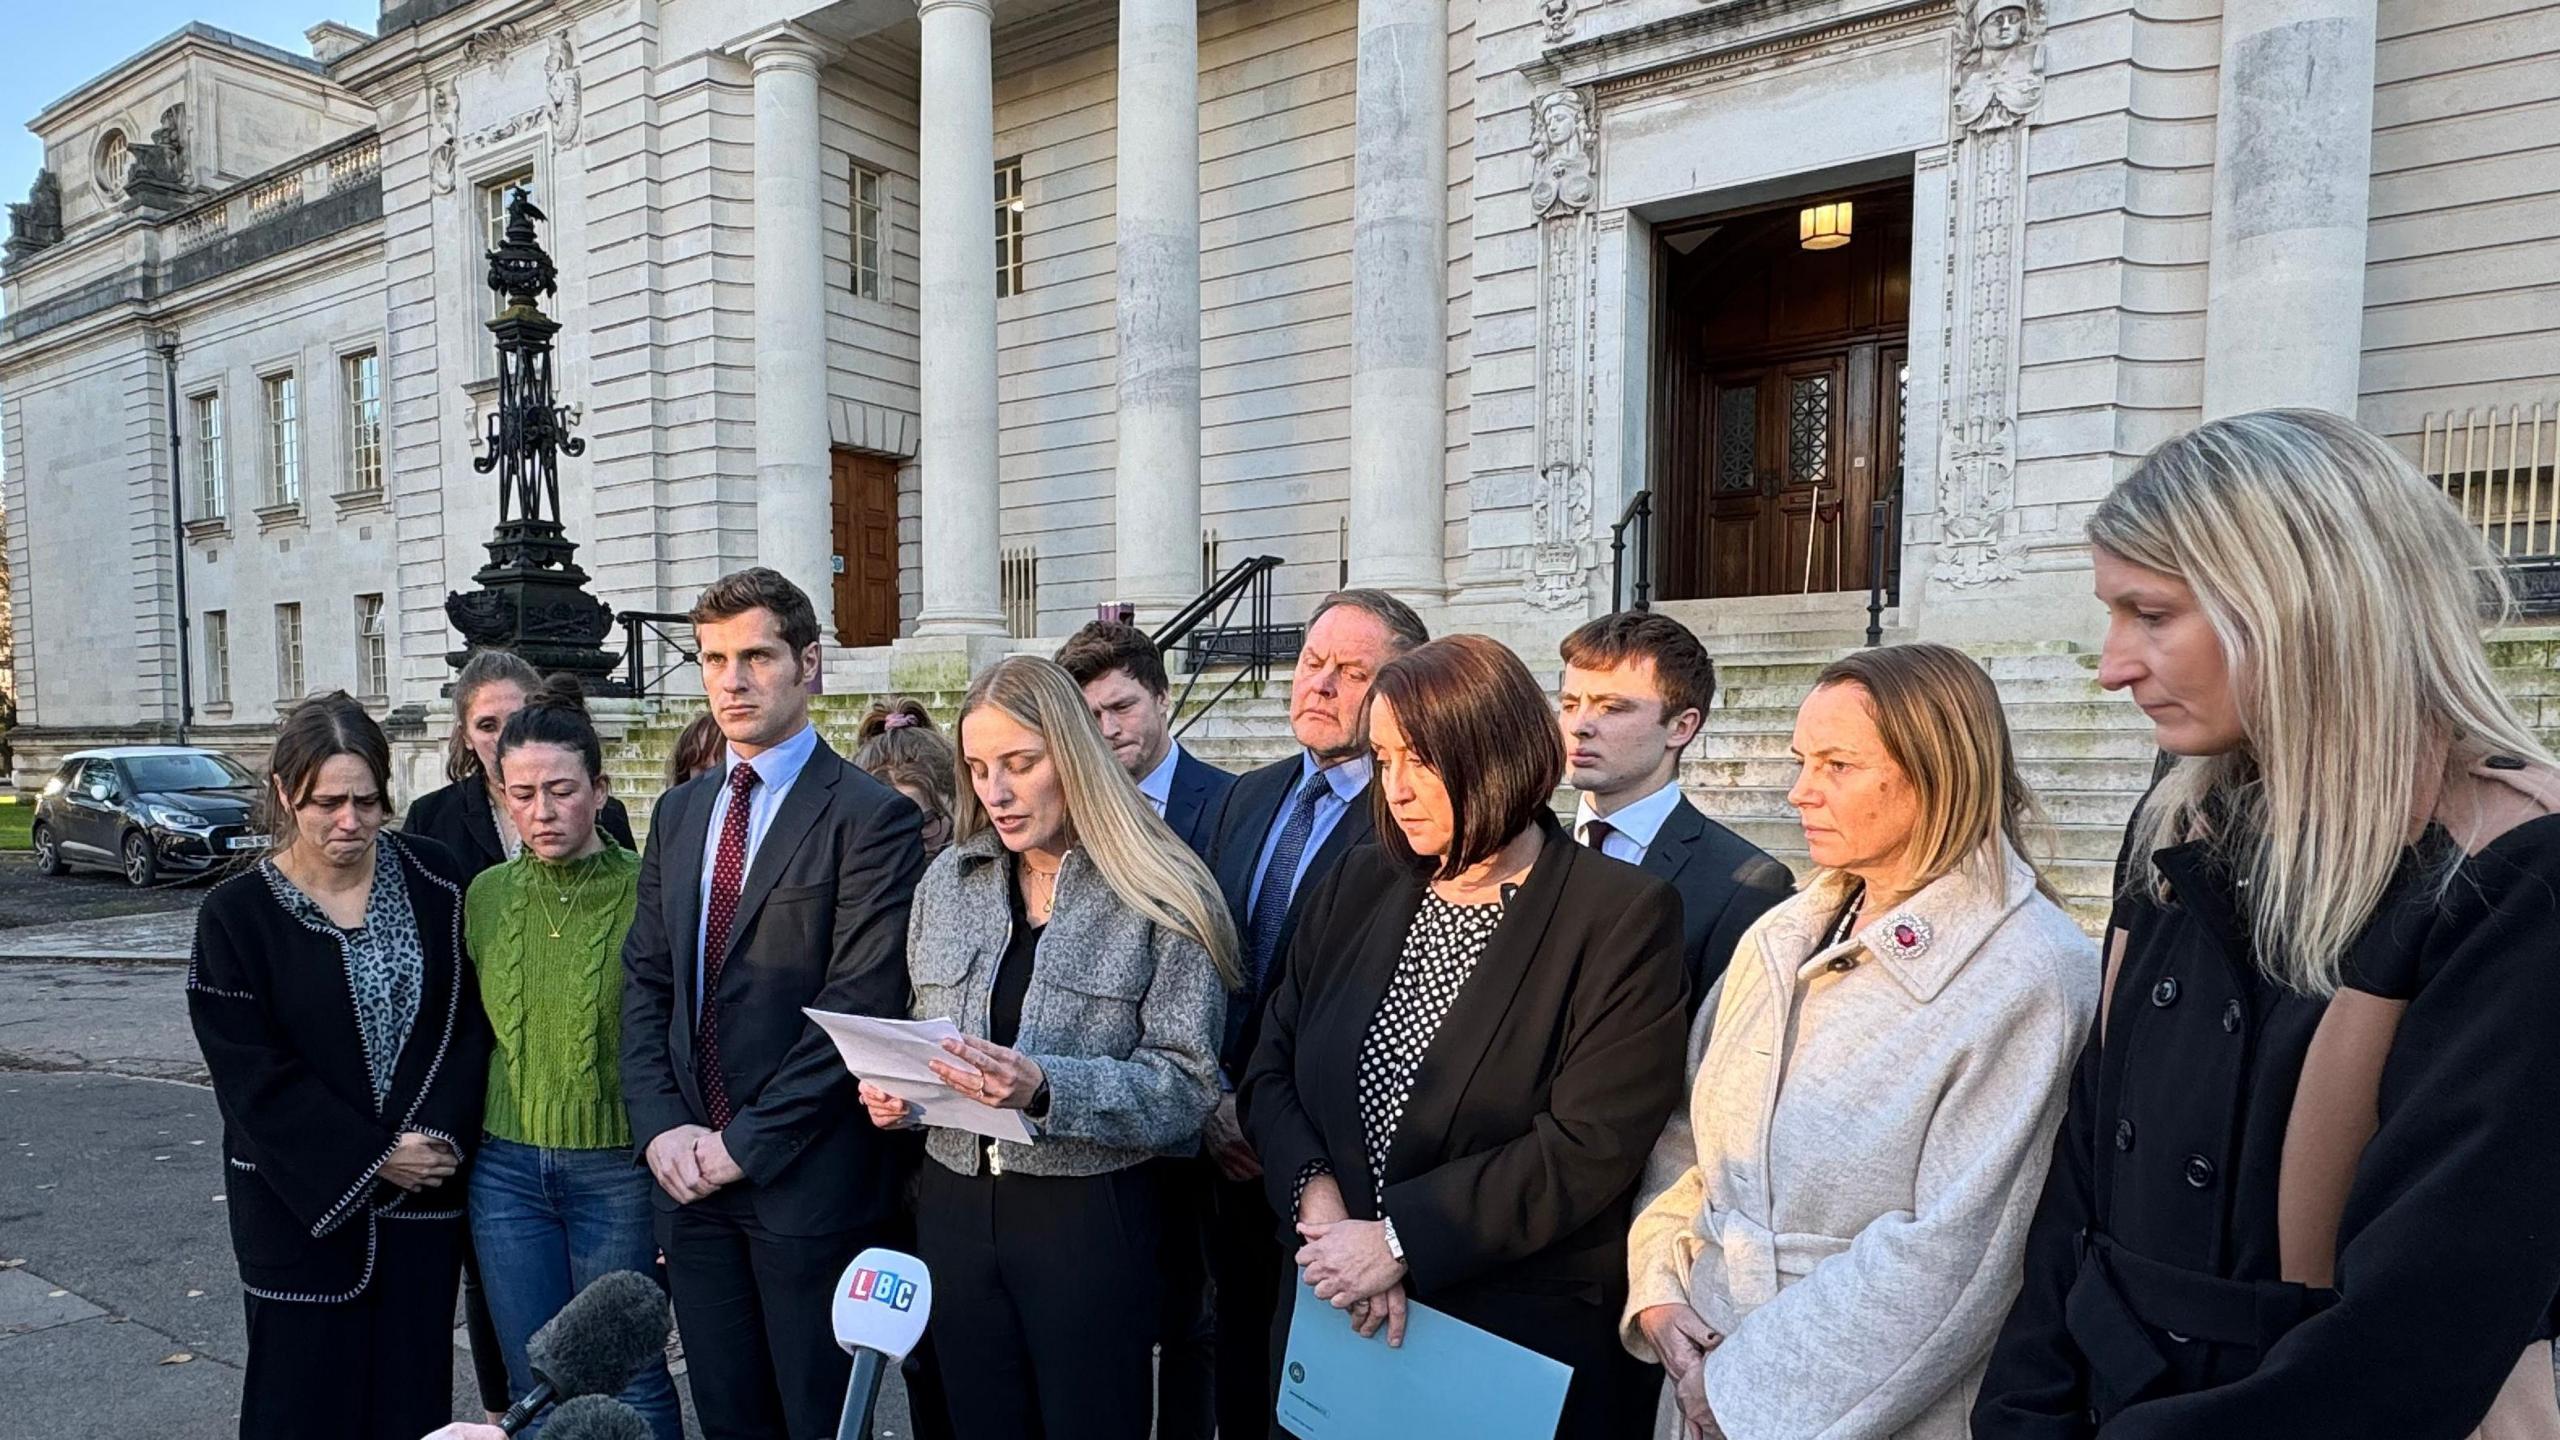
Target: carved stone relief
560, 80
35, 223
1998, 85
1563, 183
444, 104
1559, 17
562, 111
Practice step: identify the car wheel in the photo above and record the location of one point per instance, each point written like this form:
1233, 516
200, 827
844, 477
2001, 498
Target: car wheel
48, 851
141, 862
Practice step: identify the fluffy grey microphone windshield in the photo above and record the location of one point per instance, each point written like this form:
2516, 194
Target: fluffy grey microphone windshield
595, 1417
602, 1337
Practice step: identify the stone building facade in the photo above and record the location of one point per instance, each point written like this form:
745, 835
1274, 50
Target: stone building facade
974, 317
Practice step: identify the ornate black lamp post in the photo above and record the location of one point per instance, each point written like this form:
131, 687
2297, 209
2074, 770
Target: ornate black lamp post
532, 597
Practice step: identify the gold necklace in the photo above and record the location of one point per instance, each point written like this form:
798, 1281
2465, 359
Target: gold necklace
568, 901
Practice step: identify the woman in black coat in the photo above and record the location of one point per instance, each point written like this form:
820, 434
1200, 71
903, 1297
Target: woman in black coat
336, 1011
2307, 1184
1475, 1042
467, 817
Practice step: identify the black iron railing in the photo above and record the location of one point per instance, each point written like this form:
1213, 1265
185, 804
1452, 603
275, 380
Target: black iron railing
1251, 648
1638, 518
655, 645
1884, 556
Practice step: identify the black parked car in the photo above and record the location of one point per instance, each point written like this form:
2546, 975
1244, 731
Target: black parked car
145, 809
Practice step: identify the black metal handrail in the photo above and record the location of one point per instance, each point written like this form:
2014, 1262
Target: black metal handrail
1884, 581
1638, 516
640, 626
1246, 581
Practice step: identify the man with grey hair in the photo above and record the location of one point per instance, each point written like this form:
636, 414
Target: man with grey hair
1283, 829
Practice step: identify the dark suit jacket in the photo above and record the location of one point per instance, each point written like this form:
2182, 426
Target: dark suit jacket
822, 922
1724, 881
1514, 1170
458, 818
1199, 793
1252, 807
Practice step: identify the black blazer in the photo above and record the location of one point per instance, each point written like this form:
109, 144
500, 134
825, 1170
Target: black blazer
821, 922
1725, 882
1252, 807
1199, 793
458, 818
301, 1134
1514, 1171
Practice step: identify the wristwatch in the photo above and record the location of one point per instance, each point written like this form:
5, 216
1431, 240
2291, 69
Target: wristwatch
1038, 1109
1395, 1247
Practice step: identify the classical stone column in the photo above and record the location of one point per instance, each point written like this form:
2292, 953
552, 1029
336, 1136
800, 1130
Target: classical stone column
1399, 305
956, 319
2293, 160
1157, 506
793, 497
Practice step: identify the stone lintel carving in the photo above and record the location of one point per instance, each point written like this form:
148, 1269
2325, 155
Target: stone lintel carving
1558, 15
1563, 184
486, 45
35, 223
1997, 87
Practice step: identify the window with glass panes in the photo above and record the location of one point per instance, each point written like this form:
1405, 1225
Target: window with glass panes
1009, 226
284, 440
289, 652
373, 653
364, 421
870, 255
212, 495
217, 657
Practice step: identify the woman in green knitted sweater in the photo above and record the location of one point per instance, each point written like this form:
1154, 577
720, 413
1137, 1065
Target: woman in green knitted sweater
556, 1198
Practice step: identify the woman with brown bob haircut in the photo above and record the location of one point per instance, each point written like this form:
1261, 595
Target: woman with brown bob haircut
1474, 1039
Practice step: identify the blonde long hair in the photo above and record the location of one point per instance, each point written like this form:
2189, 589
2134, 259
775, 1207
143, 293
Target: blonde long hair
2349, 596
1939, 715
1140, 857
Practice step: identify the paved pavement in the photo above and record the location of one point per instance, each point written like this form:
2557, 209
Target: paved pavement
120, 1312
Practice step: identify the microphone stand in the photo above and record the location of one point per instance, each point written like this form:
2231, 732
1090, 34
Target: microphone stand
861, 1393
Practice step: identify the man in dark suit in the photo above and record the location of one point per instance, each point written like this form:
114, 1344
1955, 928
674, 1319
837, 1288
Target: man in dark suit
777, 880
1124, 681
1284, 828
1637, 687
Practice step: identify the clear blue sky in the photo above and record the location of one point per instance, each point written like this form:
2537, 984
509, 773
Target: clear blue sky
48, 48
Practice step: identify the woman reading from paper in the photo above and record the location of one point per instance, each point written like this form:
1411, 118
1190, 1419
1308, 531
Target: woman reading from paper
1843, 1212
1084, 953
1474, 1042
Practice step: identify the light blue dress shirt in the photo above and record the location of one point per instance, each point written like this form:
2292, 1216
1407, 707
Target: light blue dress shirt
1343, 784
1632, 828
1158, 784
775, 769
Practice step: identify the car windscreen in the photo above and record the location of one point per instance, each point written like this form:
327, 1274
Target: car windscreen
184, 770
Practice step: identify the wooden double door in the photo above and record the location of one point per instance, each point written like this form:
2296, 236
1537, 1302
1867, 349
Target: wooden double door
1795, 452
866, 548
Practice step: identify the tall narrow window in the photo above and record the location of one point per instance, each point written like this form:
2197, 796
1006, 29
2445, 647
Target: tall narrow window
364, 422
493, 212
213, 495
284, 440
217, 658
373, 652
868, 252
1009, 227
289, 685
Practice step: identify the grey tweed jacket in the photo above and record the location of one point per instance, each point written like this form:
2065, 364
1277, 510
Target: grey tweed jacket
1123, 1017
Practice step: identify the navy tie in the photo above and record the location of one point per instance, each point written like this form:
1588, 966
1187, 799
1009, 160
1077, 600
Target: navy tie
1280, 880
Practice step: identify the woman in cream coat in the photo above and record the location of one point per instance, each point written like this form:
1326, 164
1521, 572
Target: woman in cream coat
1836, 1224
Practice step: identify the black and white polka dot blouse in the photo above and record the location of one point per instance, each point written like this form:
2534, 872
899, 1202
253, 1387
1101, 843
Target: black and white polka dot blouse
1441, 949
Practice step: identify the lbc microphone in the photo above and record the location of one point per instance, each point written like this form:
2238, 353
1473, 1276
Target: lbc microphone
595, 1345
882, 1302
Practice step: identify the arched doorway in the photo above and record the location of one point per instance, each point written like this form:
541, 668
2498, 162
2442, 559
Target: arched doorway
1779, 395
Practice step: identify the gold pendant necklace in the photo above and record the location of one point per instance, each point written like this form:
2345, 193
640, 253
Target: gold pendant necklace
567, 905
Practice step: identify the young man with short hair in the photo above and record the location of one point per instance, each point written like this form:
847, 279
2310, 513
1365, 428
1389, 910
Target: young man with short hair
776, 880
1637, 688
1123, 677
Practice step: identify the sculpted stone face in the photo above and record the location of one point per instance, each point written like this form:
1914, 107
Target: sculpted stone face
2004, 27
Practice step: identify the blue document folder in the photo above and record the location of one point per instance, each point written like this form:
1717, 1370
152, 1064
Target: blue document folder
1449, 1378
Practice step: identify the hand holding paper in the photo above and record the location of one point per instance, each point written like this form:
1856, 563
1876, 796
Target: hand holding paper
897, 1058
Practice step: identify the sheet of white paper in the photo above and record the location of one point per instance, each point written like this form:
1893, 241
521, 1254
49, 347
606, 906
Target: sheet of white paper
892, 1054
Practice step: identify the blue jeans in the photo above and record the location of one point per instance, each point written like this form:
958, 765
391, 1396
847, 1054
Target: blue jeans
547, 1222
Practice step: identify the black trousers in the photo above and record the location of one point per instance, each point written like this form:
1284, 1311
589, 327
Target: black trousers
1186, 1330
754, 1307
1045, 1295
1246, 1266
377, 1367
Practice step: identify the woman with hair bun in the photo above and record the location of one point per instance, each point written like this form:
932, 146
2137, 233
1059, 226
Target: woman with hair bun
2306, 1182
556, 1199
901, 747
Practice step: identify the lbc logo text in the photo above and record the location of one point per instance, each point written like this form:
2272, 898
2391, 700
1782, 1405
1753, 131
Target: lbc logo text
885, 1286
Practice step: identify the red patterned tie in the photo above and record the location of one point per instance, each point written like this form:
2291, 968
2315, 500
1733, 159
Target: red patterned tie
728, 873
